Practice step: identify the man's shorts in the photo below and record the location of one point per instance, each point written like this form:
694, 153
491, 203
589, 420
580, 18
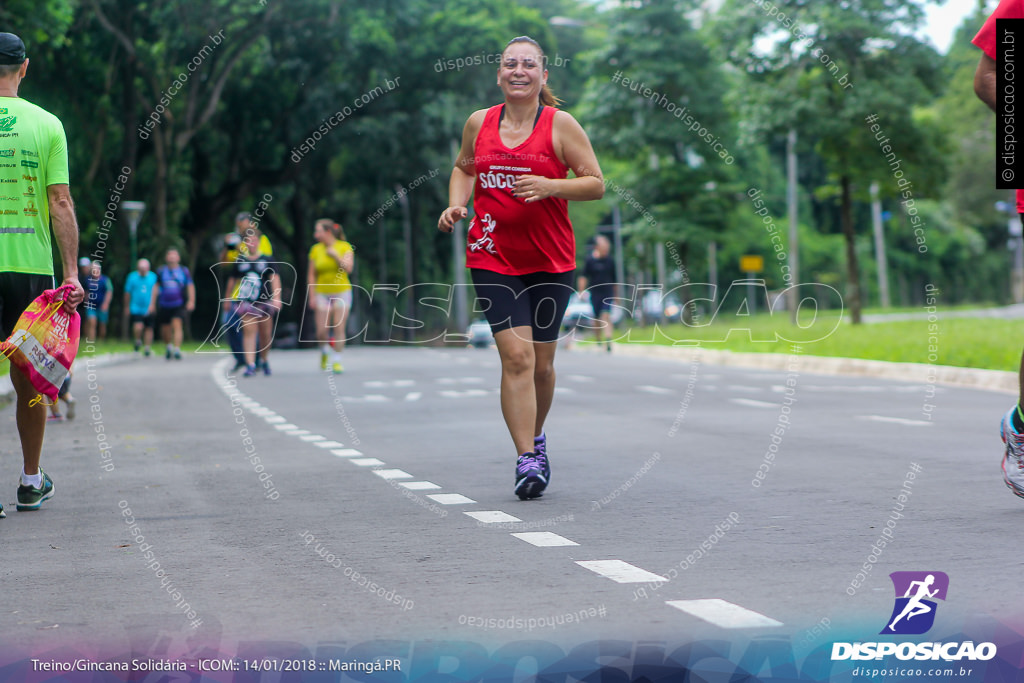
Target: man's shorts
165, 314
17, 292
102, 316
599, 298
534, 300
146, 320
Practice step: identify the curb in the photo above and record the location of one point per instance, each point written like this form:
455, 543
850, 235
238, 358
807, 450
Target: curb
925, 373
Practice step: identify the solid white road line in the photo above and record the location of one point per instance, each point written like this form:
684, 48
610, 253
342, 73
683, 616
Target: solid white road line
619, 571
723, 613
544, 539
492, 516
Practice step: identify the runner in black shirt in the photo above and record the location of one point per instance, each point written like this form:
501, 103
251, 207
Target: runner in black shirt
599, 276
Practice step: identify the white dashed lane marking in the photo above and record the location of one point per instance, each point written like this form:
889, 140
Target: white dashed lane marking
346, 452
392, 474
313, 438
420, 485
450, 498
753, 403
367, 462
285, 427
468, 393
619, 571
544, 539
651, 389
895, 420
329, 444
723, 613
492, 516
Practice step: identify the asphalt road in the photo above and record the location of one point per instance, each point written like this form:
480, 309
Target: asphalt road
323, 542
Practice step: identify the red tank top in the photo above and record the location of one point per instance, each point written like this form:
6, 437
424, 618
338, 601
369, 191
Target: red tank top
507, 235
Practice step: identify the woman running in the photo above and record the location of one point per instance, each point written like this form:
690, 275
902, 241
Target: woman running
521, 250
330, 294
259, 300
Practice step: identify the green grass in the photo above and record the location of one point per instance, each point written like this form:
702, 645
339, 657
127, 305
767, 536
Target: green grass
117, 346
964, 342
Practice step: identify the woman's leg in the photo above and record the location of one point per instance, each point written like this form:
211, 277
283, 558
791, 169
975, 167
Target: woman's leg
266, 331
543, 381
250, 329
321, 316
340, 316
518, 392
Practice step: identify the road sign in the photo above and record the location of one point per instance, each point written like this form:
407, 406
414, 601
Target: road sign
751, 264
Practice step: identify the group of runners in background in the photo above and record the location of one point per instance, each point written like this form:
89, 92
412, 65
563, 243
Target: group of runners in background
161, 299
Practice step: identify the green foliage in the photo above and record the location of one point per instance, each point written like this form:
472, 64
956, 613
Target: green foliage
229, 131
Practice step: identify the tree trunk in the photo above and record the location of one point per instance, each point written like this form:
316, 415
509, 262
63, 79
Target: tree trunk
852, 269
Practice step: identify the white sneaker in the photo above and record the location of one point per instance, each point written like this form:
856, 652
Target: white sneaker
1013, 459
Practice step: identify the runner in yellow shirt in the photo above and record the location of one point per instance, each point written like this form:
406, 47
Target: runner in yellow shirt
330, 293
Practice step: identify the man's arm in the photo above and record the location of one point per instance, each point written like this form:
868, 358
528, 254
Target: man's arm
65, 229
985, 81
109, 296
154, 296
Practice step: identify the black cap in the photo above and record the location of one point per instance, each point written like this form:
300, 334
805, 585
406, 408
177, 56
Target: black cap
12, 50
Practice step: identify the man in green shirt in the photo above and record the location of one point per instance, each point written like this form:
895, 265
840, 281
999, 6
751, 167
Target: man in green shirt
33, 190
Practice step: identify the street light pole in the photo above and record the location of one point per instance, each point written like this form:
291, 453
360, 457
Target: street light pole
133, 212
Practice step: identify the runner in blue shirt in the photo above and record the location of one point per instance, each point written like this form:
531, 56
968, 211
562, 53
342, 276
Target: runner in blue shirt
99, 292
138, 295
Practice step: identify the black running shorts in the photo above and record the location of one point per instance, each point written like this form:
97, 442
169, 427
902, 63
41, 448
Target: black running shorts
17, 292
534, 300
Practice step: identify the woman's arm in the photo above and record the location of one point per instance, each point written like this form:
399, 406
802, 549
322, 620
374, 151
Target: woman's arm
460, 185
574, 150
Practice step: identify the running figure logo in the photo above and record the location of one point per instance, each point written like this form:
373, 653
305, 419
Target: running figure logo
486, 242
914, 611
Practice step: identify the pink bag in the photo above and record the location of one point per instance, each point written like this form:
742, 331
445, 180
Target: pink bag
45, 342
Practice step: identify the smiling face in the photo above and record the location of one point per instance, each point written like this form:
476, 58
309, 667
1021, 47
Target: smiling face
521, 74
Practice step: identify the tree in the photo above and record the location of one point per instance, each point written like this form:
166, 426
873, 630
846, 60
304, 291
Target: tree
669, 122
828, 67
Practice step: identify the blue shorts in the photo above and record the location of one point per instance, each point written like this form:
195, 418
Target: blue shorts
102, 316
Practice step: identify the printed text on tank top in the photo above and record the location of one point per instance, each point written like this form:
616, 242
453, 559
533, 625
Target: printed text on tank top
501, 117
